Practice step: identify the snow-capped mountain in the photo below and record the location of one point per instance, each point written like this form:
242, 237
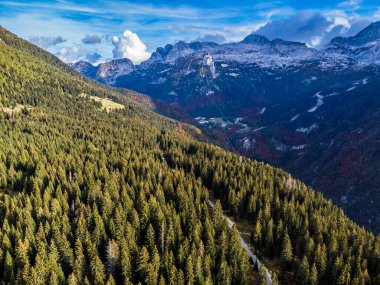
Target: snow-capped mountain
312, 112
363, 47
253, 49
105, 72
368, 35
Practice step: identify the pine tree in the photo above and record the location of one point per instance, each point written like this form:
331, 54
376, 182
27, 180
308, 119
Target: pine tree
96, 266
262, 278
189, 271
313, 279
143, 264
224, 274
302, 273
286, 253
8, 267
345, 276
150, 237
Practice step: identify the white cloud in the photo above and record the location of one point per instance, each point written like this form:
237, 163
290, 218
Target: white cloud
338, 18
93, 57
350, 4
316, 41
316, 29
91, 39
376, 15
214, 38
46, 42
129, 46
68, 54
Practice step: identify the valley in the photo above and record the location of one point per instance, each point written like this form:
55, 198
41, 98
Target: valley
312, 112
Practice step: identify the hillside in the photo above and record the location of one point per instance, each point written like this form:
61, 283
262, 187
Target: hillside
90, 196
311, 112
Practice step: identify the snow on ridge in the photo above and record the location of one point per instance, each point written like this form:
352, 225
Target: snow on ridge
259, 129
299, 147
279, 146
202, 120
245, 127
295, 117
319, 102
351, 88
247, 143
307, 130
365, 81
159, 80
332, 94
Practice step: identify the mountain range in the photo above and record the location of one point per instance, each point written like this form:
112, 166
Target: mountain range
315, 113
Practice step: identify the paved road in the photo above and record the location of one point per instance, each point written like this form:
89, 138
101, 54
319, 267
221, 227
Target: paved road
254, 258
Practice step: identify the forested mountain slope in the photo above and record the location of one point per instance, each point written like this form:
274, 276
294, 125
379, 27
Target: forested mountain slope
312, 112
120, 197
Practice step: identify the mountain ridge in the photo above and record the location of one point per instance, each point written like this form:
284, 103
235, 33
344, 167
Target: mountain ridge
369, 34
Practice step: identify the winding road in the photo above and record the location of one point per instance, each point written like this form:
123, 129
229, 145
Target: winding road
253, 257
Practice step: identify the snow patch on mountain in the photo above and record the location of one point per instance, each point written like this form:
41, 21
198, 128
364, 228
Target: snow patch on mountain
208, 60
318, 104
259, 129
202, 120
295, 117
159, 80
248, 143
279, 146
244, 127
298, 147
308, 129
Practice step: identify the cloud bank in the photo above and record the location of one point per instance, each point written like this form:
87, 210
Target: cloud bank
69, 54
46, 42
91, 39
211, 38
93, 57
129, 46
314, 29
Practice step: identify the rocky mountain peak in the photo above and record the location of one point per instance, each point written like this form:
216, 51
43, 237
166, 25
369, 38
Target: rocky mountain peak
256, 40
369, 34
287, 43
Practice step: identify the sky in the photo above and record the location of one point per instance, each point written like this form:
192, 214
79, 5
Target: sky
99, 31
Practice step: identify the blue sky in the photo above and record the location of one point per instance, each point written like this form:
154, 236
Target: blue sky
103, 30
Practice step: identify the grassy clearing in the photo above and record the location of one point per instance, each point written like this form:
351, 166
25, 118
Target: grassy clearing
15, 110
107, 104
